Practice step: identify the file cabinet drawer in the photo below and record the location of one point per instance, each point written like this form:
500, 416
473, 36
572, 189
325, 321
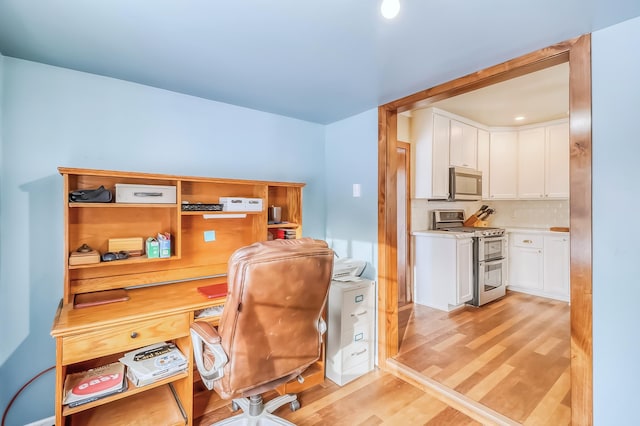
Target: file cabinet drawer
120, 338
355, 353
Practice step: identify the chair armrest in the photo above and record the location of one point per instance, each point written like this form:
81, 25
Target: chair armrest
208, 353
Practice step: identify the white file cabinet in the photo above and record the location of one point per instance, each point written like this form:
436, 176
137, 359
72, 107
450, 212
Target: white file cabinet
350, 333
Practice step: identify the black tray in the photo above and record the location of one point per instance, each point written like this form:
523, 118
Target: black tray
202, 207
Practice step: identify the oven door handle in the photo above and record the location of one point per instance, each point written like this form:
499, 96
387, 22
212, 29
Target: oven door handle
494, 261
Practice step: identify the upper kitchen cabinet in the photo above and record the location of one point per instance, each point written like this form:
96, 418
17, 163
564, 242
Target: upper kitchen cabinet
531, 160
557, 161
543, 162
441, 140
463, 145
483, 160
430, 132
503, 165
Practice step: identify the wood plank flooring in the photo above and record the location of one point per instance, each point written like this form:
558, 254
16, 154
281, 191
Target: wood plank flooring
377, 398
511, 355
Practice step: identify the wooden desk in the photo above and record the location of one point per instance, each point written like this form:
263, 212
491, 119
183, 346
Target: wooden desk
96, 335
201, 244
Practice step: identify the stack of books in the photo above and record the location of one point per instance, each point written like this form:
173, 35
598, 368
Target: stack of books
91, 385
155, 362
283, 234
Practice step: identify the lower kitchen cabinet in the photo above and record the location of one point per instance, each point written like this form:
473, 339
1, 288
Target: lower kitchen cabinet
557, 265
443, 270
539, 264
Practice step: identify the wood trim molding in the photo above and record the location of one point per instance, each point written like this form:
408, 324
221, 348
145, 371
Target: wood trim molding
581, 244
578, 53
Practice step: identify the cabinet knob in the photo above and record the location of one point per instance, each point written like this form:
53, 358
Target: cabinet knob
134, 334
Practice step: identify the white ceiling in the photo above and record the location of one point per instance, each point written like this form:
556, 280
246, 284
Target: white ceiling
537, 97
319, 61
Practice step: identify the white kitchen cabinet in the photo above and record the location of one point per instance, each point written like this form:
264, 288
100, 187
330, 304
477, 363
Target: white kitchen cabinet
557, 265
431, 146
464, 274
539, 264
531, 163
443, 270
463, 145
503, 165
557, 161
350, 330
483, 161
526, 266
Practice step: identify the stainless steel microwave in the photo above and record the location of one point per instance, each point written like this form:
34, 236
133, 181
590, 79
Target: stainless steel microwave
465, 184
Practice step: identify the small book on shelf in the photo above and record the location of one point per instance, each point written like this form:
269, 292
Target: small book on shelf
91, 385
154, 362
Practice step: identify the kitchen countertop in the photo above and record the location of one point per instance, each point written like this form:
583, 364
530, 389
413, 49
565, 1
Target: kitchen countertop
440, 234
533, 230
458, 235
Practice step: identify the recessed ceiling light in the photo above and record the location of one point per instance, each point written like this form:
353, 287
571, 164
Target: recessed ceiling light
519, 118
390, 8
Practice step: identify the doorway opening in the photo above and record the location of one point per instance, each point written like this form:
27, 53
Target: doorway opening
578, 53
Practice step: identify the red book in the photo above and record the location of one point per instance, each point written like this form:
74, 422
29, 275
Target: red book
213, 291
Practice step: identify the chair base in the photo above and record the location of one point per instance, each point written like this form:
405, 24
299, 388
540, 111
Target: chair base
255, 412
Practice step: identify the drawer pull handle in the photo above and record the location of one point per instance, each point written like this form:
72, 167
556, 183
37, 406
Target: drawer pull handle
359, 314
134, 334
527, 241
359, 353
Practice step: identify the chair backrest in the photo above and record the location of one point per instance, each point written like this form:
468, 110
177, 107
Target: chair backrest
269, 326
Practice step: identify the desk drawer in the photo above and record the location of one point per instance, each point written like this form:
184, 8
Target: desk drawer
120, 338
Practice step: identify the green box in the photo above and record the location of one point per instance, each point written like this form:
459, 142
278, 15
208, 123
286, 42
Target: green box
152, 248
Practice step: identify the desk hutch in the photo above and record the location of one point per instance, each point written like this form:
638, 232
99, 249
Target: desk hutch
163, 296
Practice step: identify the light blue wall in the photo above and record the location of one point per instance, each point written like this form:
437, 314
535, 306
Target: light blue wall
352, 158
616, 280
58, 117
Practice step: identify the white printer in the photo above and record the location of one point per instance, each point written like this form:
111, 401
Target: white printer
351, 322
347, 269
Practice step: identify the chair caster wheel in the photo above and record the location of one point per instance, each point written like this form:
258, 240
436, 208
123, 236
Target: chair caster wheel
294, 405
234, 406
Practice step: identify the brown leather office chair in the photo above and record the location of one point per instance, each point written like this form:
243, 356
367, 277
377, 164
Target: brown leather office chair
271, 326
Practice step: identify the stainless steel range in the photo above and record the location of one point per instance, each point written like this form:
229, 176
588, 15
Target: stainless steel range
489, 254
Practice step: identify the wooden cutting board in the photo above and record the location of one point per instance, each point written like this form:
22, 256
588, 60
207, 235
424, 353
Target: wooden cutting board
559, 228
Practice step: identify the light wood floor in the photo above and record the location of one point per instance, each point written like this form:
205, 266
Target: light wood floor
375, 399
511, 355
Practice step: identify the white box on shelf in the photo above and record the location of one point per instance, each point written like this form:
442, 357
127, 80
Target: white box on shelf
253, 204
241, 204
145, 194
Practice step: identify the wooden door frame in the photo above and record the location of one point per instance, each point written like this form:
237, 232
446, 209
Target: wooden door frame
578, 53
407, 147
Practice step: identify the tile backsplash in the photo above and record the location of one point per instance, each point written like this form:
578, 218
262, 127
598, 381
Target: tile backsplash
517, 213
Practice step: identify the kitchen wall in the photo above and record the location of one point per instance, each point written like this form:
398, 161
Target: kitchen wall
531, 214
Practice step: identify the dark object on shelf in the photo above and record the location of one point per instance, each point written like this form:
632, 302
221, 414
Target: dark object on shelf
202, 207
110, 255
99, 195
